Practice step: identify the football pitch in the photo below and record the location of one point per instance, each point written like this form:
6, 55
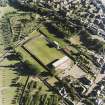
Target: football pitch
41, 49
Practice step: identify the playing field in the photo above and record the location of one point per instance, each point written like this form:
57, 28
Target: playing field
31, 61
39, 47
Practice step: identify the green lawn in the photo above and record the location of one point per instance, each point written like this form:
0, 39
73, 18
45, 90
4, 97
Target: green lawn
39, 47
52, 37
31, 61
34, 33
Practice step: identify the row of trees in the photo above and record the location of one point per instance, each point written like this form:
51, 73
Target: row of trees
92, 44
35, 95
41, 99
16, 26
77, 13
6, 32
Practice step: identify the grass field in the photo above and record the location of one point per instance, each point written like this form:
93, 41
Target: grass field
6, 78
52, 37
7, 74
39, 47
31, 61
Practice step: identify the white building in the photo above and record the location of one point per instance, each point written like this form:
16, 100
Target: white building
63, 63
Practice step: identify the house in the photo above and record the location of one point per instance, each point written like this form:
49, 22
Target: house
85, 81
101, 32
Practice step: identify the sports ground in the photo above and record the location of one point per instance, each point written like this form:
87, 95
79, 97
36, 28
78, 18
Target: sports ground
40, 48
